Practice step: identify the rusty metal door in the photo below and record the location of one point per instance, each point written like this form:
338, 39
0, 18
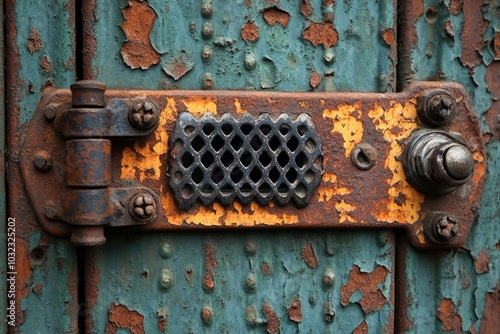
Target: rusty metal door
233, 279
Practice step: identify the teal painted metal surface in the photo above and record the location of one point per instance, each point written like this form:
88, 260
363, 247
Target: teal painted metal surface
123, 275
40, 56
457, 291
361, 59
155, 274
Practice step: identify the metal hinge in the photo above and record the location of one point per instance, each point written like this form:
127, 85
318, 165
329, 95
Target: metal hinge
164, 160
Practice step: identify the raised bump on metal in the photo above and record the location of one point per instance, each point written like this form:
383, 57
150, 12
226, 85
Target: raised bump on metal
247, 159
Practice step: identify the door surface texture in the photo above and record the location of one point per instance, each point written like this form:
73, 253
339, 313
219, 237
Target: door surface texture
243, 268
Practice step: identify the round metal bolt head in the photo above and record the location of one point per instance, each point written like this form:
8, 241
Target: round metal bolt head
167, 279
437, 107
143, 115
458, 162
50, 212
143, 207
206, 315
446, 228
50, 112
43, 161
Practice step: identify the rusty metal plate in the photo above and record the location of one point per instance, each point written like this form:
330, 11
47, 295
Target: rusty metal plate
363, 184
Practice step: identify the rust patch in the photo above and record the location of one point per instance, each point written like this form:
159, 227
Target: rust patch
449, 28
361, 329
119, 316
273, 322
34, 41
493, 81
455, 7
482, 263
318, 33
295, 311
309, 256
38, 289
248, 3
314, 79
368, 284
388, 36
472, 34
306, 8
265, 268
137, 51
491, 321
275, 15
89, 39
178, 66
328, 2
162, 319
46, 64
496, 46
250, 32
210, 265
451, 320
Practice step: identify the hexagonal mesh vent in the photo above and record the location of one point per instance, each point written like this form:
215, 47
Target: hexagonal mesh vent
246, 159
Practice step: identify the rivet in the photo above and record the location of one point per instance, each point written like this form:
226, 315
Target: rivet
441, 227
251, 317
436, 107
167, 279
50, 212
206, 8
206, 53
207, 30
364, 156
43, 161
166, 250
251, 247
143, 114
328, 56
206, 315
142, 207
250, 282
250, 61
50, 112
328, 277
208, 81
328, 312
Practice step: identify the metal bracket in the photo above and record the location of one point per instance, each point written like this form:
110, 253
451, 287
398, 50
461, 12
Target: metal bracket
414, 160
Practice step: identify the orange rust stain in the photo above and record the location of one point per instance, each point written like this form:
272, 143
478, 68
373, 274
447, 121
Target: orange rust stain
451, 320
250, 32
46, 64
404, 119
449, 28
455, 7
318, 33
145, 161
368, 284
346, 121
248, 3
309, 256
120, 317
491, 321
38, 289
361, 329
210, 265
275, 15
295, 311
34, 41
198, 105
388, 36
137, 51
325, 193
314, 79
265, 268
482, 263
305, 7
162, 319
238, 107
344, 209
273, 322
472, 33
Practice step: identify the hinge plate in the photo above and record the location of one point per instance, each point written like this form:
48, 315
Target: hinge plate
363, 184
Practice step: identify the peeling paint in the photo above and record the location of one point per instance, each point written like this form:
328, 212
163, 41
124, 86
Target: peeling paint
306, 8
178, 66
314, 79
295, 311
389, 36
472, 34
210, 265
321, 34
347, 122
372, 298
273, 322
120, 317
451, 320
309, 256
162, 317
250, 32
46, 64
34, 41
491, 320
275, 15
137, 51
361, 329
482, 263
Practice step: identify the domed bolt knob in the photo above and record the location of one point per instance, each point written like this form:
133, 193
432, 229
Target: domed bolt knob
458, 162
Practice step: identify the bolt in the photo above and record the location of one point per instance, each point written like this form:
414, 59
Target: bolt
143, 207
144, 114
167, 279
208, 81
364, 156
206, 315
50, 212
437, 107
441, 227
43, 161
206, 8
166, 250
251, 247
458, 162
328, 277
208, 30
328, 56
50, 112
250, 282
251, 317
250, 61
328, 312
206, 53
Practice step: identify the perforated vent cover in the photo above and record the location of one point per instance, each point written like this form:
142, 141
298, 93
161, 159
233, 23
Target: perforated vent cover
246, 159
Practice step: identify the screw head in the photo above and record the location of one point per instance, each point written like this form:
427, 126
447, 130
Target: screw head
144, 114
50, 112
43, 161
143, 207
437, 107
441, 227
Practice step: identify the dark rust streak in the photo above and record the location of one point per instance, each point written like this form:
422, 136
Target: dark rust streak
309, 256
34, 41
295, 311
250, 32
491, 320
210, 265
450, 319
120, 317
318, 33
137, 50
89, 39
273, 322
368, 284
482, 263
275, 15
472, 34
361, 329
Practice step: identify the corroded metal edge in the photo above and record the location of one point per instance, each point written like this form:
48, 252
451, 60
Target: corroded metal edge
347, 197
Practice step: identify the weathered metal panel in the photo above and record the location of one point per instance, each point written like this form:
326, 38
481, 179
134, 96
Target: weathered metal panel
456, 291
40, 57
286, 46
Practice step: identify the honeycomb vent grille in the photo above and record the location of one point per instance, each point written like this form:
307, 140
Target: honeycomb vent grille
249, 159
